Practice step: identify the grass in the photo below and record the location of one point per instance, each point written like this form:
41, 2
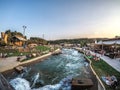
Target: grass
38, 48
12, 52
15, 52
104, 69
42, 48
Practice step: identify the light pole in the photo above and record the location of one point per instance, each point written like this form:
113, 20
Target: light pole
102, 44
43, 36
43, 39
24, 27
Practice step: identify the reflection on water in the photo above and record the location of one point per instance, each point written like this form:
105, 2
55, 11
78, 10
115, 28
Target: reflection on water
54, 73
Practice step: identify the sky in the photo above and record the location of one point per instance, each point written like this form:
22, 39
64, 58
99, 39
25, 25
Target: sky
61, 19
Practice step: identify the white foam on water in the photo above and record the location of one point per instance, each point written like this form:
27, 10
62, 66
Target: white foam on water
54, 79
64, 84
36, 77
75, 53
71, 66
86, 64
49, 87
20, 84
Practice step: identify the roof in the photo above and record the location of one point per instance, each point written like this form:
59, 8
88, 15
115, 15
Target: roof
20, 38
110, 39
109, 42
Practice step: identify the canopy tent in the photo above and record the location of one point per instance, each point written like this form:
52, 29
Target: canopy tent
111, 42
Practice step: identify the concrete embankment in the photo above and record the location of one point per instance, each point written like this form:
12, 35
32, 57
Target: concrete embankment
10, 63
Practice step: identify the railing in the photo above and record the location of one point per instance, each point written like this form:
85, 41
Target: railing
100, 84
4, 84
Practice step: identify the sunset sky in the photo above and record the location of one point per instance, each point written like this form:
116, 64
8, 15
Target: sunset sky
59, 19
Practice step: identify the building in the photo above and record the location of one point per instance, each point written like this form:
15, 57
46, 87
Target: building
4, 37
110, 46
18, 40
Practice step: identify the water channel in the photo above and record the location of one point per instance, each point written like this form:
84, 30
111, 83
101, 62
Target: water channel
54, 73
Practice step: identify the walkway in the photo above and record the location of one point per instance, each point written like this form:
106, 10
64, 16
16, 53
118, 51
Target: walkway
115, 63
8, 63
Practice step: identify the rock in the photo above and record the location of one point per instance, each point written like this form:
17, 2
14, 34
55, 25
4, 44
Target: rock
19, 69
57, 52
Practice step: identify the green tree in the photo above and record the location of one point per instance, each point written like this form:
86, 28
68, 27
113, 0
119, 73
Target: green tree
37, 40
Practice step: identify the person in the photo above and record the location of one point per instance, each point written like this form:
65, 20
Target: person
102, 52
18, 58
96, 58
110, 80
115, 81
113, 78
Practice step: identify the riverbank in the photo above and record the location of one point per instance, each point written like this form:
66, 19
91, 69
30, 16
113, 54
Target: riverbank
102, 68
8, 64
100, 84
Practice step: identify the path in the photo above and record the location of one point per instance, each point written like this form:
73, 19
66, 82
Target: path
8, 63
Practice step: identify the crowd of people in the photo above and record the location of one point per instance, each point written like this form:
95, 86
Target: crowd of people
93, 57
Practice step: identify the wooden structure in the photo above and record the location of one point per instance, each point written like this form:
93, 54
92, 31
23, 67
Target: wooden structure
81, 84
18, 40
4, 84
4, 37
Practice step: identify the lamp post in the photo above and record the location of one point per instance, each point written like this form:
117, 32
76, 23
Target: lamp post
102, 44
24, 27
43, 38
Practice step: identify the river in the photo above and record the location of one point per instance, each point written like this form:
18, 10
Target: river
54, 73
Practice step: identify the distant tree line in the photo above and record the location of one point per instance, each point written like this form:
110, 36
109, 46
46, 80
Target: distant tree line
37, 40
82, 41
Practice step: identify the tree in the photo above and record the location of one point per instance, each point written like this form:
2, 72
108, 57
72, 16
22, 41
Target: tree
37, 40
2, 43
